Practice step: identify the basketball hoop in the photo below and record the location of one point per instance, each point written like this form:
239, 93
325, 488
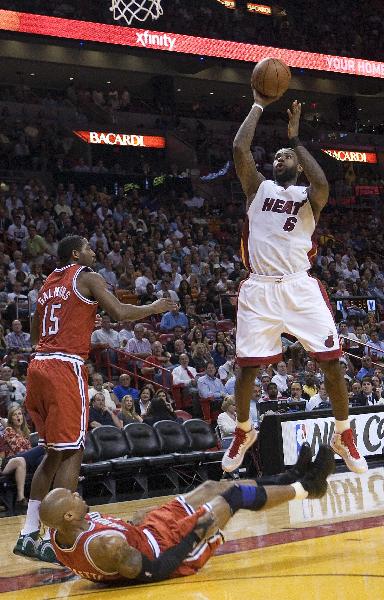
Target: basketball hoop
140, 10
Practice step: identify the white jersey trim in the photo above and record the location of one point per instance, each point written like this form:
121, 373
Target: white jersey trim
74, 286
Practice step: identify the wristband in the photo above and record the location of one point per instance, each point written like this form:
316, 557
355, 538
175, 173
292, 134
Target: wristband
258, 106
295, 141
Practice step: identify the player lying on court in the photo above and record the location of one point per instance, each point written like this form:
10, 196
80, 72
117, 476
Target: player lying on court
279, 296
175, 539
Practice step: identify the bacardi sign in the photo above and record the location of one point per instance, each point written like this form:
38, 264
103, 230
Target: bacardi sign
352, 155
121, 139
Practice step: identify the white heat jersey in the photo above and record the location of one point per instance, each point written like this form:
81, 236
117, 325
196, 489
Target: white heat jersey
278, 230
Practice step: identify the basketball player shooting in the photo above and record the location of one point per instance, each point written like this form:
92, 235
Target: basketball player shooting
177, 538
279, 295
57, 385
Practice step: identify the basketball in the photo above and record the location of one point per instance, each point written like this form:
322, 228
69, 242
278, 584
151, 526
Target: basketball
271, 77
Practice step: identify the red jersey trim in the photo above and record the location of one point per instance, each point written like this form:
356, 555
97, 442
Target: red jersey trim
74, 285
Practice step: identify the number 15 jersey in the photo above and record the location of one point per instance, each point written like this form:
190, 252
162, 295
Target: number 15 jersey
67, 318
278, 230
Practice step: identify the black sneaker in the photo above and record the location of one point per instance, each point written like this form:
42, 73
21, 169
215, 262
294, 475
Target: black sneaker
298, 471
26, 545
315, 479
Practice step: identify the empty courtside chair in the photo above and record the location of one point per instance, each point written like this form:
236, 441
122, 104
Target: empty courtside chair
173, 439
110, 443
203, 438
143, 442
92, 468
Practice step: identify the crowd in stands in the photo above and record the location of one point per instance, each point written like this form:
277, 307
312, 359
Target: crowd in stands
343, 28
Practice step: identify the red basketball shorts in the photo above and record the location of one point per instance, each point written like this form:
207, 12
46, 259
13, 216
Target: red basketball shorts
168, 525
57, 400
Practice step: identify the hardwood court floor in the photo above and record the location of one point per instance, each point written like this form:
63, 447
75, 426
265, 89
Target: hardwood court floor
317, 549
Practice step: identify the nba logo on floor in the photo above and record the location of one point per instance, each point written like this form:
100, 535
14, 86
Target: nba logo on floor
301, 436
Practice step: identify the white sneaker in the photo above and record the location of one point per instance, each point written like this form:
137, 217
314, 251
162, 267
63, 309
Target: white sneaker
234, 455
345, 446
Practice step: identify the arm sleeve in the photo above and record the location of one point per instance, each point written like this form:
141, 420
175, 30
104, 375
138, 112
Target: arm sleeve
163, 566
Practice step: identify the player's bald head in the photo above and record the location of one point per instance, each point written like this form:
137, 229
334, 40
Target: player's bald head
55, 506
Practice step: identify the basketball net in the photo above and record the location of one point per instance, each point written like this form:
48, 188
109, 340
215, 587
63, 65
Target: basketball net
136, 9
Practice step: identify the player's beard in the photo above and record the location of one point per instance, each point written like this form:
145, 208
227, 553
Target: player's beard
287, 174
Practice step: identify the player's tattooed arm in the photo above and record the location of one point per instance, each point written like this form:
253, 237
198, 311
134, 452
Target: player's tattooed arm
319, 189
246, 169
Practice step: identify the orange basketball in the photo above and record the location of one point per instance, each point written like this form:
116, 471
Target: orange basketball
271, 77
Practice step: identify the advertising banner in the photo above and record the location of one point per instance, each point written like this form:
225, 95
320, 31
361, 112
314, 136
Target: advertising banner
121, 139
351, 155
187, 44
368, 427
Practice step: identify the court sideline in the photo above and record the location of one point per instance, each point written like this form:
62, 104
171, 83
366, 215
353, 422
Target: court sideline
329, 548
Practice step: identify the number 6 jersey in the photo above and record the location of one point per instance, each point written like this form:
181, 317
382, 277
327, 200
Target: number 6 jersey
278, 230
67, 318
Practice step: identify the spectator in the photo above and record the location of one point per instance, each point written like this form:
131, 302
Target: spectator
124, 388
226, 421
145, 398
11, 389
184, 376
104, 388
17, 339
105, 337
210, 386
172, 319
155, 359
16, 443
225, 371
100, 415
139, 345
374, 347
230, 385
309, 387
200, 357
126, 333
367, 396
36, 246
219, 354
319, 400
272, 391
281, 378
108, 274
367, 368
128, 412
158, 411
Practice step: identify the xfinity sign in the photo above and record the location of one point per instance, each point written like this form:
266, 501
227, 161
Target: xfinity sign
152, 39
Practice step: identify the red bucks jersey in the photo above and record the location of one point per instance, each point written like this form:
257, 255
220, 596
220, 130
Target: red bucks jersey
67, 318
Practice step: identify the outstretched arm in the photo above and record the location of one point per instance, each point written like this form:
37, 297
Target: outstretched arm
318, 189
246, 169
92, 285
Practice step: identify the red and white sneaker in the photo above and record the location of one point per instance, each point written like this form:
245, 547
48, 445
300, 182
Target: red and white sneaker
234, 455
345, 446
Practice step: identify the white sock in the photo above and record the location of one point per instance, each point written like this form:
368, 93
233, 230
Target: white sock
244, 425
32, 520
341, 426
46, 535
301, 493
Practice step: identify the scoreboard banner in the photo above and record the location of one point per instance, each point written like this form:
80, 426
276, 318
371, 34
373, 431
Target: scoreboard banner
186, 44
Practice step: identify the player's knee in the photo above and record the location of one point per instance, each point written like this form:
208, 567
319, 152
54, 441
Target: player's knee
331, 369
248, 372
209, 487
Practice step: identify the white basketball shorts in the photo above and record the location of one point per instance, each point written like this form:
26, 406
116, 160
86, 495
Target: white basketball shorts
295, 304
